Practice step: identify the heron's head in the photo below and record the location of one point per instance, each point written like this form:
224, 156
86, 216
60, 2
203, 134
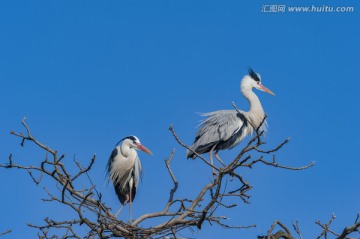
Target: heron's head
253, 80
133, 142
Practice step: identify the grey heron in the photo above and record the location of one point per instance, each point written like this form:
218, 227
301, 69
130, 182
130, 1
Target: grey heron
224, 129
124, 170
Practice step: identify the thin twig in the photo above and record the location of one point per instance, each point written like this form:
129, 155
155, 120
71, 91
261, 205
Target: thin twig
171, 128
5, 232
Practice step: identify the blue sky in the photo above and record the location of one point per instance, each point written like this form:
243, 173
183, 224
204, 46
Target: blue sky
88, 73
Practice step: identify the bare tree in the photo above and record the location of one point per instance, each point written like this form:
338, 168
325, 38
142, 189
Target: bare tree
179, 212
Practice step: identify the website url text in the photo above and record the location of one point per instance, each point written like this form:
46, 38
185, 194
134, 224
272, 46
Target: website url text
313, 8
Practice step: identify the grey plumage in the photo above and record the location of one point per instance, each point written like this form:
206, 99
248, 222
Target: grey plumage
125, 179
224, 129
124, 169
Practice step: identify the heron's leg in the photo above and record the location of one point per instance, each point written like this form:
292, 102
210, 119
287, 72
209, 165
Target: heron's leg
218, 158
126, 201
130, 205
117, 213
211, 160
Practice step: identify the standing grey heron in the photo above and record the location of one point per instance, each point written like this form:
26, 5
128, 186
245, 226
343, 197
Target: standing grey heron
224, 129
124, 170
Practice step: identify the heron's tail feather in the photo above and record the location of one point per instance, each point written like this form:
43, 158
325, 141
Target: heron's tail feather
190, 154
121, 195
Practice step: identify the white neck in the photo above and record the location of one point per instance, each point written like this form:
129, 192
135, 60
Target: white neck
255, 105
256, 113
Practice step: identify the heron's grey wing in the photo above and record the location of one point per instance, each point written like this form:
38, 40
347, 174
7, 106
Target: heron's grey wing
136, 175
137, 171
219, 126
119, 168
112, 157
111, 176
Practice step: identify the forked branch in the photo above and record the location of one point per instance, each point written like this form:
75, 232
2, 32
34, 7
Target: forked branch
228, 189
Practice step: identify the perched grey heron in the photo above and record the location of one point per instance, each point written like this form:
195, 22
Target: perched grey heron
124, 170
224, 129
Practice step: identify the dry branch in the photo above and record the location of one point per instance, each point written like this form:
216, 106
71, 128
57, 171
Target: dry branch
5, 232
179, 212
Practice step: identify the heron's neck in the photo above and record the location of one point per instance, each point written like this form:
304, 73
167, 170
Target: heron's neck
256, 113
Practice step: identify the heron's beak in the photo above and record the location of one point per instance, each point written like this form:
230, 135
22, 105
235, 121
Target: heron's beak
143, 148
266, 89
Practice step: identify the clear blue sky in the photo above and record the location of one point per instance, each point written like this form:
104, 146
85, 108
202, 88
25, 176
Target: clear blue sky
88, 73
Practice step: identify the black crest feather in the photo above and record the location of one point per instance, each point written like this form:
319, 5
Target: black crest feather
128, 137
253, 75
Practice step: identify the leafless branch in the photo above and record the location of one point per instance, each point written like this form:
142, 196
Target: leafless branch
297, 228
226, 190
279, 234
171, 128
172, 192
350, 229
326, 233
5, 232
326, 227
